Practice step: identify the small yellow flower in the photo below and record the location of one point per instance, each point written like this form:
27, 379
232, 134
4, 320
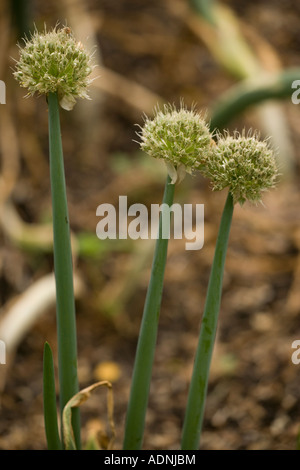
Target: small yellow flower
55, 62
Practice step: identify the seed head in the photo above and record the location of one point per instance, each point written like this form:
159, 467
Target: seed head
55, 62
244, 164
179, 137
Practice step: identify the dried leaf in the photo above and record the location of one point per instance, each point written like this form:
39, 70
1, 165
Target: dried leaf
76, 401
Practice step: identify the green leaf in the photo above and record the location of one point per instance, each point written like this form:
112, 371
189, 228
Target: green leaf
49, 395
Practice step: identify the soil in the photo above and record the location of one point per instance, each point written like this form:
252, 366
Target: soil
253, 396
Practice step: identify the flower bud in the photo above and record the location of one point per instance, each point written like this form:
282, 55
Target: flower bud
244, 164
180, 138
55, 62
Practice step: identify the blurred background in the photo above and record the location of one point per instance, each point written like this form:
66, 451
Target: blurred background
236, 61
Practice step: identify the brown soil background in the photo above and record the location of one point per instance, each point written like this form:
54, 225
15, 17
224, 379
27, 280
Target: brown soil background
253, 399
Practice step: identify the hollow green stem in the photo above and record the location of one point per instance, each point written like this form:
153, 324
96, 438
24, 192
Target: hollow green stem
198, 388
65, 304
250, 93
135, 420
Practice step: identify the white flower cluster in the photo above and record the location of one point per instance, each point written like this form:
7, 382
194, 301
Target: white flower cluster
181, 138
55, 62
242, 163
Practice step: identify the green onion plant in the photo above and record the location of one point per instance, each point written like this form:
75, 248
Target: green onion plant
56, 65
179, 138
246, 166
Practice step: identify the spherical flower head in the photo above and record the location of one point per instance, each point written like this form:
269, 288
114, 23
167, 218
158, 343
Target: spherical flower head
55, 62
179, 137
244, 164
